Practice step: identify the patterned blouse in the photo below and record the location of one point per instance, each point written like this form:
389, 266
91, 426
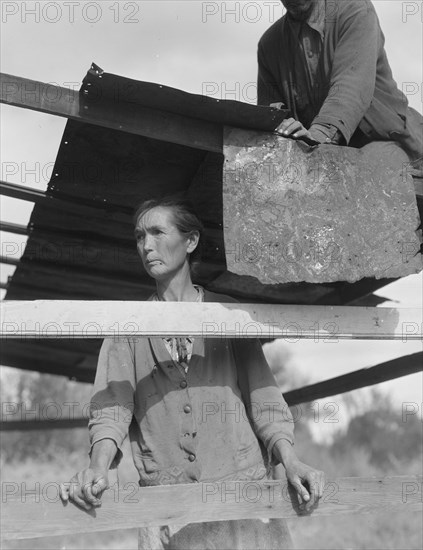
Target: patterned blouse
180, 349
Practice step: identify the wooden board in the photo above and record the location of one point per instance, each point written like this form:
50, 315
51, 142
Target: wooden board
152, 123
32, 510
293, 214
362, 378
96, 319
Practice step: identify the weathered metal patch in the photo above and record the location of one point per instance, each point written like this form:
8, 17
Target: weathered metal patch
294, 213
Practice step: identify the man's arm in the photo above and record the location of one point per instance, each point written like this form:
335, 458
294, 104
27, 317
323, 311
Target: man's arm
353, 76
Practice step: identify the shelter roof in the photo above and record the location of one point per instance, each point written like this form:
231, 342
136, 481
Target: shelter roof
81, 243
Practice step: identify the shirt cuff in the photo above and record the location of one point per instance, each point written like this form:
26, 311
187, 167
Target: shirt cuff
118, 456
326, 133
277, 437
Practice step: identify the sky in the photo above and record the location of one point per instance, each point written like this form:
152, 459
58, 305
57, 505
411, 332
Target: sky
204, 47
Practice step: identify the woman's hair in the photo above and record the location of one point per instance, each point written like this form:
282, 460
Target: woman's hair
185, 220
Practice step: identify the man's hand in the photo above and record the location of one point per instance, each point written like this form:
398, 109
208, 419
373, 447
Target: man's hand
308, 482
85, 488
278, 105
293, 128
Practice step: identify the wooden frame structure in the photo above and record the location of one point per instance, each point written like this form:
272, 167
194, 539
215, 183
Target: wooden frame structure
70, 320
42, 514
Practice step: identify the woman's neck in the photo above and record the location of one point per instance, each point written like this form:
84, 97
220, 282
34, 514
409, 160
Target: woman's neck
178, 289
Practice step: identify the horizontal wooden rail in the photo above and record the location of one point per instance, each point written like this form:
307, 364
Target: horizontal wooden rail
71, 203
96, 319
35, 510
15, 228
33, 425
152, 123
8, 260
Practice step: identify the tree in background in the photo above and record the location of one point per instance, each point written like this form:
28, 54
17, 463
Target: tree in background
388, 436
35, 396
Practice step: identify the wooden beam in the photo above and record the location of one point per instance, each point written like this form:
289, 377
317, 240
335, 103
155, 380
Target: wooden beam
34, 425
14, 228
357, 379
69, 202
9, 260
126, 117
99, 319
38, 511
71, 371
21, 192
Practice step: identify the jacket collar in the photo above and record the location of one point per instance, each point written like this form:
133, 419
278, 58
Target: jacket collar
318, 16
316, 19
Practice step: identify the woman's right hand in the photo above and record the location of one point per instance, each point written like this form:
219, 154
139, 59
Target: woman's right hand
85, 488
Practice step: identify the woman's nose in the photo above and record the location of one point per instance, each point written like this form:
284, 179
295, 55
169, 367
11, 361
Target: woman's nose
148, 242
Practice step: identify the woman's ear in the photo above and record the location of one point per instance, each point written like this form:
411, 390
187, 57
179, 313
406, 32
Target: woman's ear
193, 239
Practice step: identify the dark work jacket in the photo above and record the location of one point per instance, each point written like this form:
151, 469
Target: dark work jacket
355, 87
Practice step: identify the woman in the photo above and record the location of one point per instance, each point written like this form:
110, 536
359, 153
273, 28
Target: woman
187, 403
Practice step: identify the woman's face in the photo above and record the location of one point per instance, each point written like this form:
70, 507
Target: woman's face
163, 248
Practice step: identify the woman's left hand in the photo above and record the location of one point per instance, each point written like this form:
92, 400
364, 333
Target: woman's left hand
307, 481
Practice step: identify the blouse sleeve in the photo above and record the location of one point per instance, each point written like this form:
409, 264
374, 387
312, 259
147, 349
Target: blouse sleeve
112, 403
267, 409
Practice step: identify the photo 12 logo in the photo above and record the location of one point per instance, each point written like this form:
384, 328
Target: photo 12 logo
237, 12
411, 10
70, 12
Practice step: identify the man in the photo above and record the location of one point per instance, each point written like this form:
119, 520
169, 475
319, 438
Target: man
325, 62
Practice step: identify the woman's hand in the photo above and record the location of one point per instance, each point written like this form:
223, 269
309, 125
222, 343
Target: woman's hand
308, 482
85, 488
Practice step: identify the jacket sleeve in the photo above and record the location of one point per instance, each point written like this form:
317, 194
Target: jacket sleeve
353, 76
267, 409
112, 403
267, 86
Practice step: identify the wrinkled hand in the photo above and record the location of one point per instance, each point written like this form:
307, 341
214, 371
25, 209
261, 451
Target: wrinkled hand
293, 128
308, 482
85, 488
